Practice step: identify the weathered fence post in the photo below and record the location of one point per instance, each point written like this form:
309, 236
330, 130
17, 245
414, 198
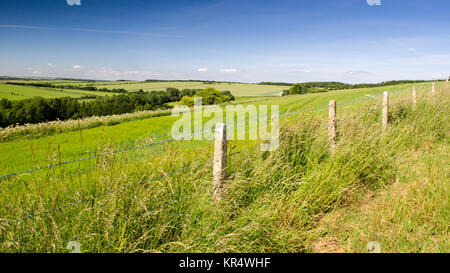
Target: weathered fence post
332, 125
385, 118
433, 89
414, 98
220, 159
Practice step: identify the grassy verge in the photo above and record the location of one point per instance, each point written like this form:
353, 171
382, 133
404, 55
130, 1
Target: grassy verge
411, 215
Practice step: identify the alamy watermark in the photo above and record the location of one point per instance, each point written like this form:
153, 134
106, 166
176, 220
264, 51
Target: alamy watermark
374, 247
74, 247
374, 2
257, 123
73, 2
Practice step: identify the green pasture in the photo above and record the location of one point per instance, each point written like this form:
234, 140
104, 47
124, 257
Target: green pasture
26, 153
19, 92
237, 89
15, 92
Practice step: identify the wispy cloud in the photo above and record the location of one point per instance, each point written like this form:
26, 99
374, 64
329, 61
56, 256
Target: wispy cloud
110, 73
126, 32
438, 76
51, 65
77, 66
296, 71
202, 69
24, 27
94, 30
357, 72
229, 70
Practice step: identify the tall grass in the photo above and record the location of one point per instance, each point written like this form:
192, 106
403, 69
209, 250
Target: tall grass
272, 203
55, 127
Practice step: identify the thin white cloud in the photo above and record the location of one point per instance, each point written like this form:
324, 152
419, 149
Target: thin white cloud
94, 30
296, 71
125, 32
24, 27
202, 69
228, 70
438, 76
77, 66
51, 65
35, 72
357, 72
109, 73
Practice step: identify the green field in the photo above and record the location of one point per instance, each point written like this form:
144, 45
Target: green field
237, 89
15, 92
72, 145
273, 201
18, 92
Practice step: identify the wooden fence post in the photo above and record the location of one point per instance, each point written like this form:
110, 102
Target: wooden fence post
385, 118
433, 89
332, 125
414, 98
220, 159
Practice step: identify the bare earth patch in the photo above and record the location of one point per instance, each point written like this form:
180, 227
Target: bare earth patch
327, 245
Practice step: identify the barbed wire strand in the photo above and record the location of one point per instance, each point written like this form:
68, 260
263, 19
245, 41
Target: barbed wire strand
85, 158
105, 194
172, 139
109, 192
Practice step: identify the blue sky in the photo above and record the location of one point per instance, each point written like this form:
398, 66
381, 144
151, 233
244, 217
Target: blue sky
234, 40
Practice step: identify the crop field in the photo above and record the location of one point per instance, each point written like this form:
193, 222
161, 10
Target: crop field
14, 92
73, 144
237, 89
96, 188
18, 92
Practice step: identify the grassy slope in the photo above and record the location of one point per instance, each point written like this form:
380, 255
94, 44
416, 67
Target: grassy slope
411, 215
241, 90
24, 153
273, 202
26, 92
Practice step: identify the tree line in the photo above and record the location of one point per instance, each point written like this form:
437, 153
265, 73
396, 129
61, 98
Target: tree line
38, 109
69, 86
317, 87
209, 96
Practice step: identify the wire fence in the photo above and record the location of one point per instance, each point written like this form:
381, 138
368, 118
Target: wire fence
139, 147
108, 193
85, 158
105, 194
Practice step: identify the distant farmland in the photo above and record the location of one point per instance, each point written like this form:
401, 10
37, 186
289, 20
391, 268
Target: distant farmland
237, 89
17, 92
